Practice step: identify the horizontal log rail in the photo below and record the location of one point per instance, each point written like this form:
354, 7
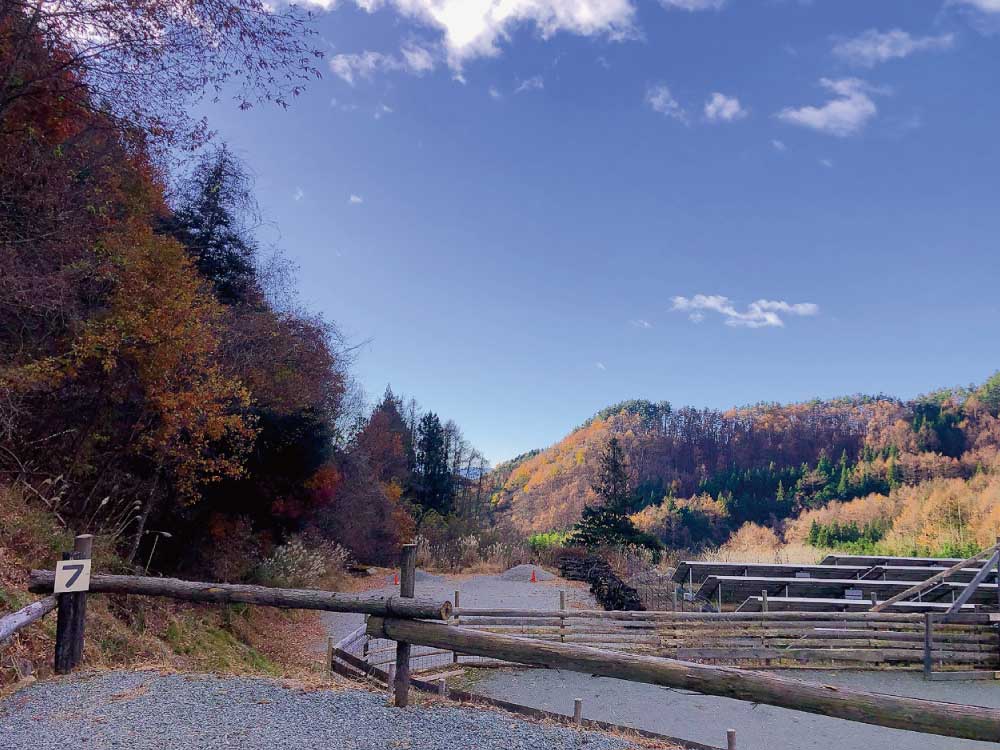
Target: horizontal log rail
967, 618
41, 581
897, 712
13, 622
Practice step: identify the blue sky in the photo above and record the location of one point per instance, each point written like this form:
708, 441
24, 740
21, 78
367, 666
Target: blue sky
533, 208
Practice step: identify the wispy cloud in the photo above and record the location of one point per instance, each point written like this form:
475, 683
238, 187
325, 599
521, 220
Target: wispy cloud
844, 115
693, 4
722, 108
355, 199
535, 83
659, 98
600, 366
640, 323
778, 145
412, 59
763, 313
299, 194
495, 93
872, 47
828, 163
987, 6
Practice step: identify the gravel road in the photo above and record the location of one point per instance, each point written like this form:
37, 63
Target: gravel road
475, 591
150, 711
705, 718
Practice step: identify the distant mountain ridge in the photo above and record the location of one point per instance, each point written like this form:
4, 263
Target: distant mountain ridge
763, 462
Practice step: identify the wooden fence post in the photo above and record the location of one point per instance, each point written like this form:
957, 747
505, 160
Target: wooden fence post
730, 739
578, 711
562, 619
458, 621
71, 615
407, 584
928, 644
763, 600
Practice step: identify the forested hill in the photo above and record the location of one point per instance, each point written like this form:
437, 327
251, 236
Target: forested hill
698, 474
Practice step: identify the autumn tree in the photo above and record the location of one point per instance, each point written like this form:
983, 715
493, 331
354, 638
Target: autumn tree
145, 62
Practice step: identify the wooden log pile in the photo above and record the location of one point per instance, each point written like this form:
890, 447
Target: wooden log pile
611, 592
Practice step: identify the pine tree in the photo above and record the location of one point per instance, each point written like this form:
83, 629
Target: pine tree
892, 473
608, 524
612, 484
434, 489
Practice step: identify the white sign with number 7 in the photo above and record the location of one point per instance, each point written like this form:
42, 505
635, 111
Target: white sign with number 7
72, 576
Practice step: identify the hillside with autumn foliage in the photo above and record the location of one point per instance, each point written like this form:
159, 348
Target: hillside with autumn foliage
699, 475
160, 384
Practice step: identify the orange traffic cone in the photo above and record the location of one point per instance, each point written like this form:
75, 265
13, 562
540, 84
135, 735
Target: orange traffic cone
395, 579
533, 579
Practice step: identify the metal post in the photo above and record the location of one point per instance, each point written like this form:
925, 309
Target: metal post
407, 583
730, 739
562, 619
578, 711
763, 600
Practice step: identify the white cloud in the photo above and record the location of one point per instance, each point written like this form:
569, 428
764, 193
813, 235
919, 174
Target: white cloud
299, 194
828, 163
846, 114
495, 93
382, 110
779, 145
640, 323
722, 108
476, 28
760, 314
986, 6
355, 199
600, 366
873, 47
417, 59
535, 83
414, 59
659, 98
693, 4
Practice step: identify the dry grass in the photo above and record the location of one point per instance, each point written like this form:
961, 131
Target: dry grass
157, 633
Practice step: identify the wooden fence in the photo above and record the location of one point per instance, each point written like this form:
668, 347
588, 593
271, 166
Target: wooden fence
818, 639
487, 634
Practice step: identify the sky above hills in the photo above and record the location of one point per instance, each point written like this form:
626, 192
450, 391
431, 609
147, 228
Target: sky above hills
529, 209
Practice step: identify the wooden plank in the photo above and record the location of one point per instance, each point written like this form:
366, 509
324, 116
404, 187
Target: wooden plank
953, 720
963, 675
15, 621
41, 581
933, 580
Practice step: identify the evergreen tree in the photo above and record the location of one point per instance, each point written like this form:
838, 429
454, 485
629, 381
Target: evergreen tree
608, 523
433, 490
892, 473
612, 484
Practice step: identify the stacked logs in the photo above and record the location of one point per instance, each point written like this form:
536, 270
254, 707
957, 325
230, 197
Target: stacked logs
611, 592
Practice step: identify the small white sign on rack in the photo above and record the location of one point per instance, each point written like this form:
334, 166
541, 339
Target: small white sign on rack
72, 576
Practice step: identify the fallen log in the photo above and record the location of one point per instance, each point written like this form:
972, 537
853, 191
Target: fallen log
10, 624
41, 581
932, 717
